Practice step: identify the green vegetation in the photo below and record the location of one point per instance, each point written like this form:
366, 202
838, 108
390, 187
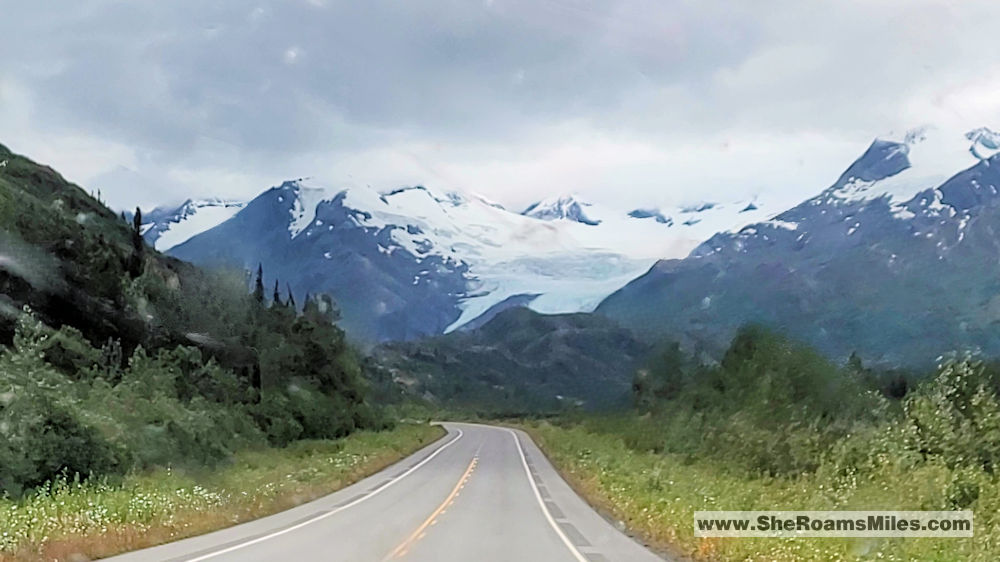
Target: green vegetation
115, 358
521, 362
776, 426
67, 520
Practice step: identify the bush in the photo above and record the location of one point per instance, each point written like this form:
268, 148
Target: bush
88, 425
956, 417
772, 406
274, 416
304, 412
43, 439
145, 415
43, 433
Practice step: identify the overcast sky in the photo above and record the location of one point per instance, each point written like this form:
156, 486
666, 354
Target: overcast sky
650, 102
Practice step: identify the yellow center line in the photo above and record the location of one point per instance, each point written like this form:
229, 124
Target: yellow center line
400, 550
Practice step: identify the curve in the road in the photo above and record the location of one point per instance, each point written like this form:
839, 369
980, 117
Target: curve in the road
513, 506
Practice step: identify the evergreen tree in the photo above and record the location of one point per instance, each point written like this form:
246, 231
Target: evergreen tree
276, 299
137, 259
258, 288
291, 297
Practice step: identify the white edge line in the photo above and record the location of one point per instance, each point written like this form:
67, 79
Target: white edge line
538, 496
332, 511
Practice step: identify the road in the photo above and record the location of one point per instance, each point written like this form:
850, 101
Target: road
480, 494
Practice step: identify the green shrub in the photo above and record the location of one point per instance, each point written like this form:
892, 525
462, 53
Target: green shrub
89, 424
43, 439
772, 406
275, 418
43, 432
145, 416
956, 417
69, 352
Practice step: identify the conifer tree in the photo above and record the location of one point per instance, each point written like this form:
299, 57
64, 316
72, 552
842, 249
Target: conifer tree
258, 288
137, 259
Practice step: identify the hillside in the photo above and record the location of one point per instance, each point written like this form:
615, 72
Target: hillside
521, 361
115, 358
64, 254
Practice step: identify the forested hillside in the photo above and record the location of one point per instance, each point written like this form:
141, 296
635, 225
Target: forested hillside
521, 361
115, 357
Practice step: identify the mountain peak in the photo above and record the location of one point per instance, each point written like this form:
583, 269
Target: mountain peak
191, 206
566, 207
922, 159
165, 227
302, 205
883, 159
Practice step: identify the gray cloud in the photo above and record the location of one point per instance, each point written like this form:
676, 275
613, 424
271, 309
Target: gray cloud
226, 96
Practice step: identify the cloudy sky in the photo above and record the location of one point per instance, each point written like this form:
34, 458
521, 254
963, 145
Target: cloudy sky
653, 102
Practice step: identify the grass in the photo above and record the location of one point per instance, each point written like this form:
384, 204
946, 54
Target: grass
79, 521
656, 495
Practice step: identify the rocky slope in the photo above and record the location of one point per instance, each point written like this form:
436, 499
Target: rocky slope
899, 259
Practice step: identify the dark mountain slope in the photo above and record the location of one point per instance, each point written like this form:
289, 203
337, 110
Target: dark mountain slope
385, 292
521, 361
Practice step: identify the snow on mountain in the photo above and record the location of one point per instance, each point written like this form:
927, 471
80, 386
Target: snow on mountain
922, 159
570, 267
562, 255
303, 210
415, 245
910, 179
908, 231
166, 227
414, 261
569, 257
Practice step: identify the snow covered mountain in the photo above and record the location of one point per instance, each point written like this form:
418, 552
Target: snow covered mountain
901, 250
414, 261
165, 227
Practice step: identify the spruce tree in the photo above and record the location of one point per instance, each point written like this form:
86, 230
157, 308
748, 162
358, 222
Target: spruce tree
137, 259
258, 288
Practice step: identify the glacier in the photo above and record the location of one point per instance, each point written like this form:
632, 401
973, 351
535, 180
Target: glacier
566, 253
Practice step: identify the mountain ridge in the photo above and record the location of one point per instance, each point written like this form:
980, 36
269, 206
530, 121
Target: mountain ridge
438, 261
887, 240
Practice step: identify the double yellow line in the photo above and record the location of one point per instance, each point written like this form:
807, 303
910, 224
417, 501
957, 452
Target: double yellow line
404, 547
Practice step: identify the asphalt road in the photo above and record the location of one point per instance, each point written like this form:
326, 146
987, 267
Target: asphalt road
479, 494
